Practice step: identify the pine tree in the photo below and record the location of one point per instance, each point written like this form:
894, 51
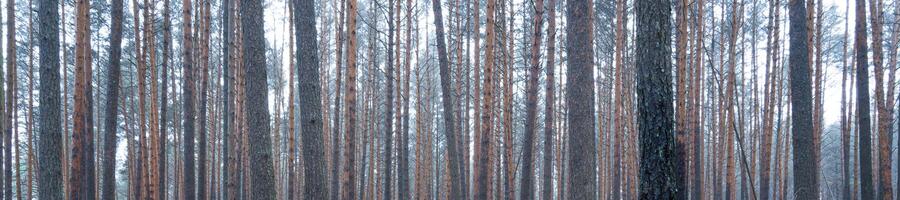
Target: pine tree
29, 128
187, 57
82, 179
50, 183
527, 183
389, 103
11, 96
862, 103
655, 113
806, 182
484, 162
348, 181
549, 129
336, 128
579, 98
164, 99
682, 96
454, 157
254, 62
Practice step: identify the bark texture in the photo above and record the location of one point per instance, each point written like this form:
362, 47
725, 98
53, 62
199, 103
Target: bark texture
580, 99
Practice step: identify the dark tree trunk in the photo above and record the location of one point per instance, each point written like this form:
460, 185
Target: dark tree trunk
11, 98
549, 129
389, 102
112, 102
654, 96
806, 185
50, 183
862, 104
527, 182
188, 188
446, 100
336, 128
227, 102
254, 62
164, 99
315, 177
202, 95
579, 98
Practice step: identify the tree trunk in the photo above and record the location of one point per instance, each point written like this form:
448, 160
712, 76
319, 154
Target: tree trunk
454, 155
403, 191
50, 183
696, 118
862, 103
656, 111
549, 131
152, 151
881, 102
527, 183
579, 98
806, 183
730, 131
11, 96
349, 177
291, 169
188, 100
845, 119
202, 95
484, 162
681, 117
230, 126
82, 181
389, 102
164, 99
335, 131
30, 167
254, 62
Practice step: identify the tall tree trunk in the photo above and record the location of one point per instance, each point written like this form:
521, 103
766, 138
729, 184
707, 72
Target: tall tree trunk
348, 181
291, 169
730, 131
336, 128
619, 58
881, 102
202, 95
579, 98
389, 102
696, 118
527, 183
164, 99
454, 156
484, 162
188, 190
845, 119
549, 131
50, 183
11, 95
82, 180
509, 186
230, 126
30, 167
862, 103
254, 61
152, 165
655, 114
769, 102
403, 191
895, 39
806, 185
681, 114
